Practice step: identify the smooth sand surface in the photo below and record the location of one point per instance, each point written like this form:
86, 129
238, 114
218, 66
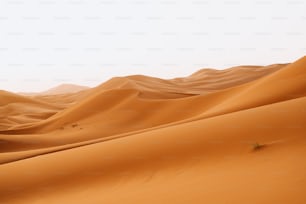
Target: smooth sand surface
217, 137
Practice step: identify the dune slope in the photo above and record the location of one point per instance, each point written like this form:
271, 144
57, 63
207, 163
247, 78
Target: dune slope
231, 136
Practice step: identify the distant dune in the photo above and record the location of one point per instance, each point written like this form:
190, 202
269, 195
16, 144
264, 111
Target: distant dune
61, 89
64, 89
216, 136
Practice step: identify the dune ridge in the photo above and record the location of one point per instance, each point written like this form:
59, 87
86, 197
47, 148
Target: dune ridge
216, 136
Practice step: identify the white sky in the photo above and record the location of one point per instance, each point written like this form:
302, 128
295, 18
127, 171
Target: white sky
44, 43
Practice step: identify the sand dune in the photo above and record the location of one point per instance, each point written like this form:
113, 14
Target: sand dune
18, 110
61, 89
230, 136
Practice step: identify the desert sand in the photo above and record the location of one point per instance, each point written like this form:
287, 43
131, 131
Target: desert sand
215, 137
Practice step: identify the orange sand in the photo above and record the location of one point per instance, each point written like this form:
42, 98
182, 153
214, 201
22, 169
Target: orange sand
217, 137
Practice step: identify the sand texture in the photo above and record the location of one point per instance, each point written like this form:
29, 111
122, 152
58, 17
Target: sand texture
234, 136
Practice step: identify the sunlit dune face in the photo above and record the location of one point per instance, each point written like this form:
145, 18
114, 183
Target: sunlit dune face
216, 136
